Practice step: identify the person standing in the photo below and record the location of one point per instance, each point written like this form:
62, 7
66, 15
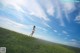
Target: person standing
33, 30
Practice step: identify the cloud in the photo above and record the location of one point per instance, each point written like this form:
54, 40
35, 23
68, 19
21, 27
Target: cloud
58, 9
50, 11
68, 1
55, 30
41, 28
15, 26
46, 25
18, 10
13, 4
38, 11
48, 5
66, 37
77, 19
68, 7
65, 32
73, 42
5, 22
29, 5
63, 7
12, 9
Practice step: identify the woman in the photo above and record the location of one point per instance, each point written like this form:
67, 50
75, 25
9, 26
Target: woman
33, 30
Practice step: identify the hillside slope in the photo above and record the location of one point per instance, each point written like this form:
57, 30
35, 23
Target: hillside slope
19, 43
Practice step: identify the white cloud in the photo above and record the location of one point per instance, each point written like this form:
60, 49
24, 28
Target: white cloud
58, 8
68, 7
46, 24
66, 37
32, 7
65, 32
5, 22
73, 42
55, 30
77, 19
14, 8
12, 25
41, 28
48, 5
61, 22
68, 1
13, 4
50, 11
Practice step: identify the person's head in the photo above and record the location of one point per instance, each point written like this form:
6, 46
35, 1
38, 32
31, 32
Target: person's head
34, 25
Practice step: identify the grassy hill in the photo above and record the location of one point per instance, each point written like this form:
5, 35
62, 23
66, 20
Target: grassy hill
19, 43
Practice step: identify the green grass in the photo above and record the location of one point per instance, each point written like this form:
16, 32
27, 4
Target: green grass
19, 43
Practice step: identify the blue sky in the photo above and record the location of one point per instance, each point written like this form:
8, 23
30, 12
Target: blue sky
55, 20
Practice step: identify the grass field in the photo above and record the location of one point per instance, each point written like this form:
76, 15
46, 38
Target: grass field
19, 43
